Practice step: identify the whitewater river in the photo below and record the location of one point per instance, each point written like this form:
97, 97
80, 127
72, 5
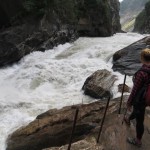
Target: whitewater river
53, 79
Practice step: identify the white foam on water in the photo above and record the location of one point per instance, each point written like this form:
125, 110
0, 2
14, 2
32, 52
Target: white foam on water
54, 78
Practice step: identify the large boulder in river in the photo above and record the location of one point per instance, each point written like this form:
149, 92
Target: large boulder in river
127, 60
98, 85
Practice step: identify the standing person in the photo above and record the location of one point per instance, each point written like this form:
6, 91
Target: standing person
141, 78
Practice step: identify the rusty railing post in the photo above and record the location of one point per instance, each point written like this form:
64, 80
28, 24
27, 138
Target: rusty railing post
73, 128
122, 94
103, 119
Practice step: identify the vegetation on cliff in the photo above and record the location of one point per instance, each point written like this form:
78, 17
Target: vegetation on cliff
142, 23
129, 11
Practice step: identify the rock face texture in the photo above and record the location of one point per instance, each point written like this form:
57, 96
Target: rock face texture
9, 9
51, 130
41, 25
127, 60
98, 85
98, 18
142, 23
8, 53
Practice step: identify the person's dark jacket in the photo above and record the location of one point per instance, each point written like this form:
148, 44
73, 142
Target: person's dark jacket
141, 78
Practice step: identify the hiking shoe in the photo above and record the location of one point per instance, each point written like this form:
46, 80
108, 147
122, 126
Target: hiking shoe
134, 141
127, 121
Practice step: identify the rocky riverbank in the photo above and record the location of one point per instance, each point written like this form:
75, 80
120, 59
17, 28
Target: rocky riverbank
53, 128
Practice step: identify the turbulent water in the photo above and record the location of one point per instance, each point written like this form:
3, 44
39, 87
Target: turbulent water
53, 79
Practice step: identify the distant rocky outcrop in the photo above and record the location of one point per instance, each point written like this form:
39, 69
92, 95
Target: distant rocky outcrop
41, 25
99, 84
127, 60
98, 18
52, 129
129, 10
142, 23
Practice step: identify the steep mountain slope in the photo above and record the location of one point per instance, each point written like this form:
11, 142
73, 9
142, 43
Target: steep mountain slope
142, 23
129, 11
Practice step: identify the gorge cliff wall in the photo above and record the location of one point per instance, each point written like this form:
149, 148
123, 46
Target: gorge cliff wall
142, 23
31, 25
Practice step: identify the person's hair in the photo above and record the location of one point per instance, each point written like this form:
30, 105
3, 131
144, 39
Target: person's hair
145, 55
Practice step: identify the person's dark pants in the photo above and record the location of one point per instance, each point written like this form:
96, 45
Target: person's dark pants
138, 114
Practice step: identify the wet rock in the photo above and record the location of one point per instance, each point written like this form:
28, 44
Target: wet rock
127, 60
98, 85
29, 38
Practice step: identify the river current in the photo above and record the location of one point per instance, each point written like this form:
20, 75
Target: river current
54, 78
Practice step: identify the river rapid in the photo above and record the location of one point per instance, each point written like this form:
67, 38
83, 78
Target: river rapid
54, 78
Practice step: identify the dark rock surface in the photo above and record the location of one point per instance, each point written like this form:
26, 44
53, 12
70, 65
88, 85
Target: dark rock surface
35, 36
127, 60
98, 18
9, 9
8, 53
98, 85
